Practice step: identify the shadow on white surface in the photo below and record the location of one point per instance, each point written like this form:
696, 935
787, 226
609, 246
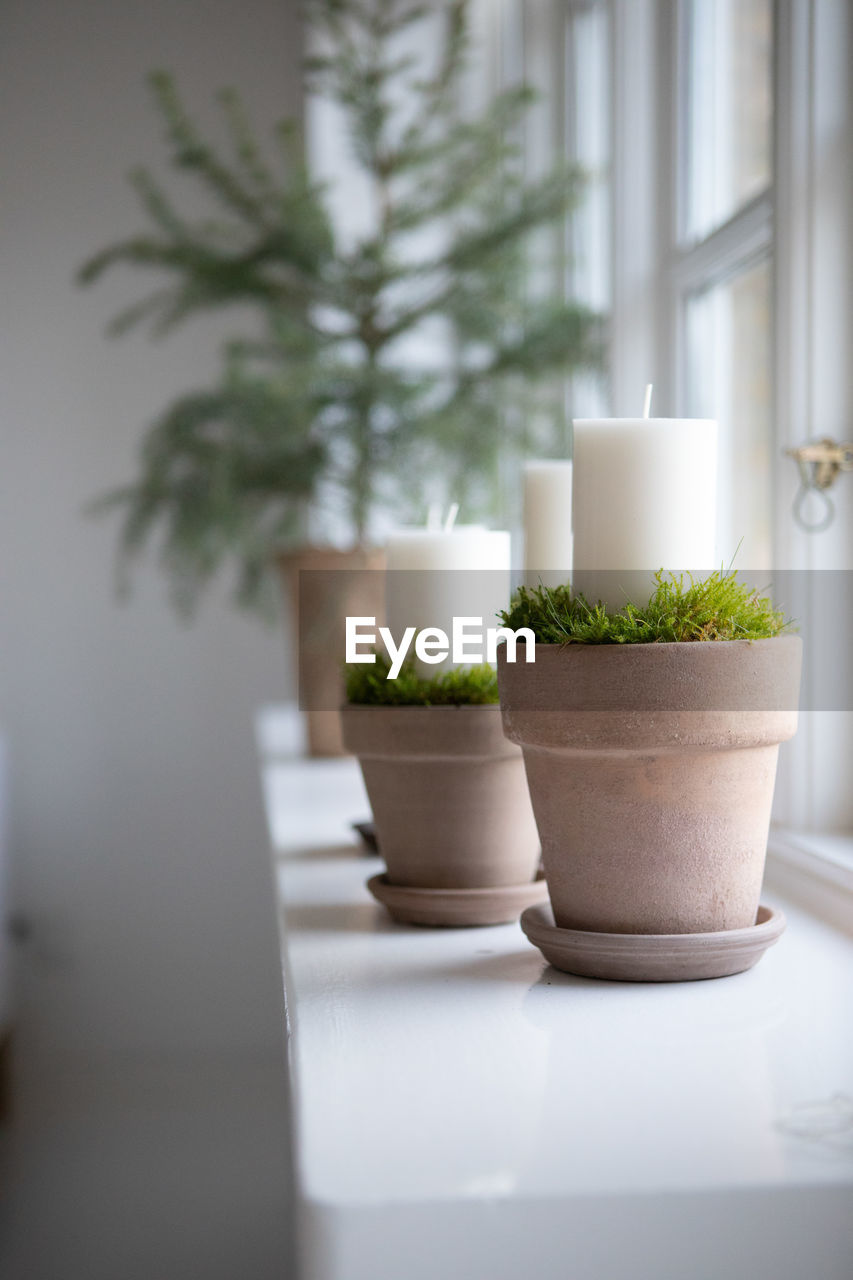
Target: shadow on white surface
148, 1172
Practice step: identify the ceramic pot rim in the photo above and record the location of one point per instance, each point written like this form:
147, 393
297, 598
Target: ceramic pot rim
316, 556
469, 731
691, 695
683, 646
727, 676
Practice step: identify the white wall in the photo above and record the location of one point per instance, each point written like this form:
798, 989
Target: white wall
139, 840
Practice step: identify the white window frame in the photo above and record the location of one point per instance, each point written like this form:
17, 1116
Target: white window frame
652, 273
813, 845
746, 239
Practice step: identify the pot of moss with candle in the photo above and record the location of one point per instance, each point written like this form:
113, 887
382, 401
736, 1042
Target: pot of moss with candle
450, 802
650, 738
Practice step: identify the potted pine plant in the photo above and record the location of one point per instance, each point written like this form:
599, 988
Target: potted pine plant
650, 739
335, 398
449, 798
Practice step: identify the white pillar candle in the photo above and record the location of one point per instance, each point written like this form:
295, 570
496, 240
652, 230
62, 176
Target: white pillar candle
435, 575
644, 498
547, 523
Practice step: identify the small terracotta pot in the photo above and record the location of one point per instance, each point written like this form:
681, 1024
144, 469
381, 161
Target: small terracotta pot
448, 794
651, 770
318, 627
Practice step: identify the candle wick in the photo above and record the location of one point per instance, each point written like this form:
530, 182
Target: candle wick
647, 403
451, 517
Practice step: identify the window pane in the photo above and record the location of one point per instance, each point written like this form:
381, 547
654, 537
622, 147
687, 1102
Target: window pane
729, 378
589, 146
587, 103
730, 104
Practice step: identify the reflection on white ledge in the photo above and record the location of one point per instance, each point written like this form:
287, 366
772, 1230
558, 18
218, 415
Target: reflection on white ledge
461, 1107
280, 731
817, 870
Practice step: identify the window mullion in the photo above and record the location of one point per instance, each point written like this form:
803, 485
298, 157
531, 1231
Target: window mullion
746, 237
639, 78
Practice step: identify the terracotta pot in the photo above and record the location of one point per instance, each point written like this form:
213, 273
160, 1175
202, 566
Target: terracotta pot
448, 794
319, 604
651, 770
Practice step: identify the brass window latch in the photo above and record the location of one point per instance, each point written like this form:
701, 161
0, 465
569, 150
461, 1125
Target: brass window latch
820, 463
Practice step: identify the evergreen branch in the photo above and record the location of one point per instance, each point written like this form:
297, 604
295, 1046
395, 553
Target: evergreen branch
207, 449
559, 336
286, 134
436, 303
323, 401
137, 251
245, 145
158, 303
484, 142
441, 90
157, 205
277, 271
191, 152
533, 206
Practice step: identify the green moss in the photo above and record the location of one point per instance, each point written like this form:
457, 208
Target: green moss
716, 608
368, 685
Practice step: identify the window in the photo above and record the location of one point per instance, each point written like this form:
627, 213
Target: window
587, 142
726, 54
562, 48
716, 234
757, 230
729, 376
723, 321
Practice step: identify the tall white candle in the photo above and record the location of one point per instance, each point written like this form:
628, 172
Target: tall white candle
436, 575
547, 522
644, 498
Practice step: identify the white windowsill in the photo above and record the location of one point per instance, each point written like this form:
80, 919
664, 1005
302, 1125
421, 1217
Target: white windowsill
461, 1108
814, 870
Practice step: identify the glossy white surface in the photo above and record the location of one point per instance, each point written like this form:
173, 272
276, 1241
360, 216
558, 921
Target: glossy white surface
462, 1109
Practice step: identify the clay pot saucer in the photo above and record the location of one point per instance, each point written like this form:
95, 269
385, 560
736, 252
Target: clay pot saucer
455, 908
652, 957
